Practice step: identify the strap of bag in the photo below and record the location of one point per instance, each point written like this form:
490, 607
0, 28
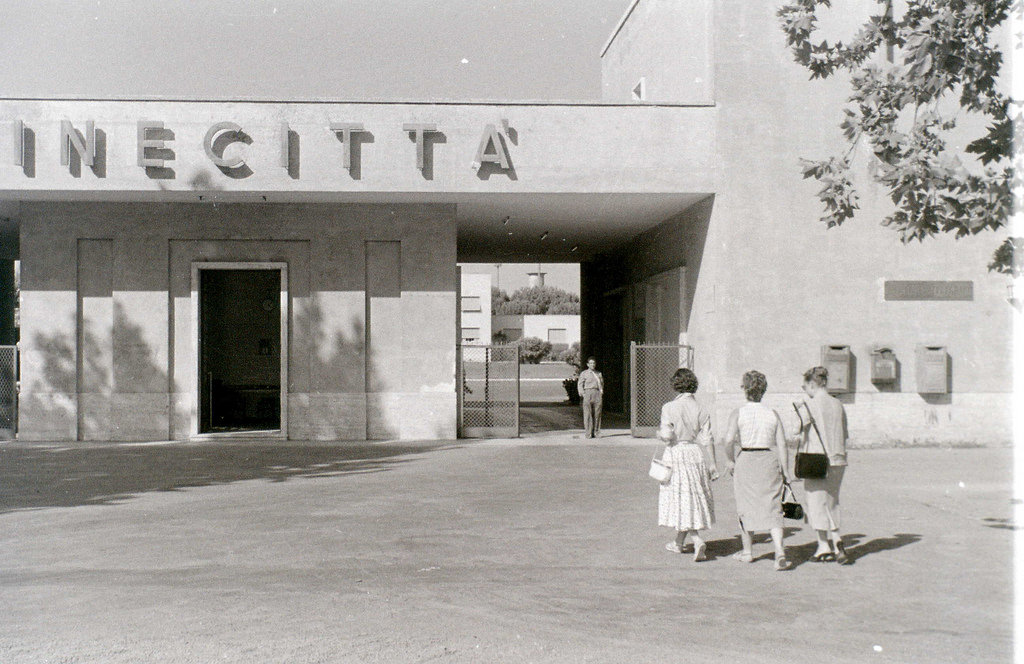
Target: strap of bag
814, 425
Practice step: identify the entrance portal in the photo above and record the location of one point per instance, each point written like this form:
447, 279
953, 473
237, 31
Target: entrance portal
240, 333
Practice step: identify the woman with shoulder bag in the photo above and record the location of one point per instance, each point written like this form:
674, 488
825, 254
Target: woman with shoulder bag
756, 442
685, 502
827, 424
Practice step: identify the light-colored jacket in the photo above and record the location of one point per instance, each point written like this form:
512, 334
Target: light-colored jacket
590, 380
830, 416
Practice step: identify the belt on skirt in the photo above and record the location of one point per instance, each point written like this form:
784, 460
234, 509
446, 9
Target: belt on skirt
755, 449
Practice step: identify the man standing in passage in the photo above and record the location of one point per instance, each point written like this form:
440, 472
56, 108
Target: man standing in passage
591, 388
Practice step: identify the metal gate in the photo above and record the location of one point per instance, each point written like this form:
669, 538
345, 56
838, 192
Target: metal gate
489, 398
8, 392
650, 382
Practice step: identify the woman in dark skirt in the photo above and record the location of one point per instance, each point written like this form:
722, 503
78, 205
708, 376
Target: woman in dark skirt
755, 442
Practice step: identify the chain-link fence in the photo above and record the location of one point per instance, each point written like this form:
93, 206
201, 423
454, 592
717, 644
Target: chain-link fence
651, 369
489, 399
8, 392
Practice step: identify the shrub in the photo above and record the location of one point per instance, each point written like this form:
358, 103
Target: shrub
533, 350
572, 390
571, 356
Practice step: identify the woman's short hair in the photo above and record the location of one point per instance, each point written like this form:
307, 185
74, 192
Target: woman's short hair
684, 381
754, 385
816, 375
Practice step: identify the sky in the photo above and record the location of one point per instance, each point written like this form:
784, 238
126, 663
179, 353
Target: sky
511, 276
306, 49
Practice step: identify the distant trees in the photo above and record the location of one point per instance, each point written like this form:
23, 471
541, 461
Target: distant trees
534, 300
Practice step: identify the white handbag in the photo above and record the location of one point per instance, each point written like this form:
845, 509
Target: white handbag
660, 470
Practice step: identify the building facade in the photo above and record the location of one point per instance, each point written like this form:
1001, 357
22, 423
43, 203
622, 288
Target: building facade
475, 308
288, 269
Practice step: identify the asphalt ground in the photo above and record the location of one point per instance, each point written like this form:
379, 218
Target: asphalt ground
540, 549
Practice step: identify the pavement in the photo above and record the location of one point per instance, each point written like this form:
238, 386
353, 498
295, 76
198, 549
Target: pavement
540, 549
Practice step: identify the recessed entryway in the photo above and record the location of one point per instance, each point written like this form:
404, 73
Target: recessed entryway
241, 341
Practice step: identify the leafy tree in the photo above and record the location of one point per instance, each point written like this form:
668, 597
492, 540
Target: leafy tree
543, 298
516, 308
942, 66
498, 298
571, 308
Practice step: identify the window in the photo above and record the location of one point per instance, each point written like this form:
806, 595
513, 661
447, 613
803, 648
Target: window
471, 303
556, 335
470, 334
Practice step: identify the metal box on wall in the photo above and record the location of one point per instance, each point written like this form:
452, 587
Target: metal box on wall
932, 370
883, 366
837, 359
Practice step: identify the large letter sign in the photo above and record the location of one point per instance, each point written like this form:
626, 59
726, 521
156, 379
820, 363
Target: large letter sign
499, 156
211, 135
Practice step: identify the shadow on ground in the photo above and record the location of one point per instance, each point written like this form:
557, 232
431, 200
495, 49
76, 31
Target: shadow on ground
543, 417
856, 546
40, 477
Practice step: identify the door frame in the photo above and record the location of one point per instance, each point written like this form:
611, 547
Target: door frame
197, 267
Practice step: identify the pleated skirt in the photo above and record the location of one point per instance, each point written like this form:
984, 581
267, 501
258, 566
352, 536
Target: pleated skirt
686, 502
757, 483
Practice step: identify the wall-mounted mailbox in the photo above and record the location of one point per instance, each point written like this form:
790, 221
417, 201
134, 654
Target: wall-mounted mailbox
932, 370
883, 366
837, 359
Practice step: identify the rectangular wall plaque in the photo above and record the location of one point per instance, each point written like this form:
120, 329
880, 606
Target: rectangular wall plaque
929, 290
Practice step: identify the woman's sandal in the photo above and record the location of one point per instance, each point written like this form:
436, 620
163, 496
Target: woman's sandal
673, 547
842, 557
743, 557
782, 564
700, 553
823, 557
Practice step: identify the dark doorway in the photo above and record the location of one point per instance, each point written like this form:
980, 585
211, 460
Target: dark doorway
239, 350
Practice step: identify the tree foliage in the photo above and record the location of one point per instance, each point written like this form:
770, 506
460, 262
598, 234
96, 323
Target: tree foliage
534, 300
533, 349
944, 67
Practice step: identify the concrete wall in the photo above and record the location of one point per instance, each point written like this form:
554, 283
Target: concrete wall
553, 148
767, 284
108, 324
477, 286
668, 44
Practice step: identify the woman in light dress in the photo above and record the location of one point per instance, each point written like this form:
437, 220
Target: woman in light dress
756, 448
822, 495
685, 502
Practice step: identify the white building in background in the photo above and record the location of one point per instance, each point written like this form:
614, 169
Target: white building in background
475, 309
562, 330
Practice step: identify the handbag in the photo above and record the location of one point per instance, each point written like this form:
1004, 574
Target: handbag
791, 510
810, 465
660, 470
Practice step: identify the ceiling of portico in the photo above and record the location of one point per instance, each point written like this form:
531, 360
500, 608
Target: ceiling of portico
558, 227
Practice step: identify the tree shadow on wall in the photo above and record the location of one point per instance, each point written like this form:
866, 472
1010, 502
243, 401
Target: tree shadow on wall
66, 476
93, 375
341, 363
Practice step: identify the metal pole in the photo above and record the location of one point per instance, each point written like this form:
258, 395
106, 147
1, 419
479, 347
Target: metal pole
632, 388
487, 386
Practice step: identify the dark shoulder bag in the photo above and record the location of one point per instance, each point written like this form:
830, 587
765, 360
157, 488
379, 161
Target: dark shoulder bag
791, 509
810, 466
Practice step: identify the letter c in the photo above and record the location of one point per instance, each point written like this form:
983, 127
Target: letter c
208, 145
